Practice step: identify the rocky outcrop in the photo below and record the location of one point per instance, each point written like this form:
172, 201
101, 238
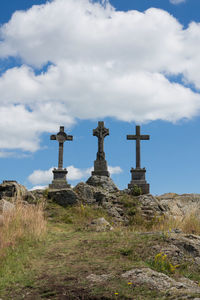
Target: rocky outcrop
104, 182
15, 191
12, 189
85, 192
169, 205
180, 205
98, 196
160, 281
63, 197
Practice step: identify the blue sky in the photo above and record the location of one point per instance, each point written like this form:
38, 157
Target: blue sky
74, 62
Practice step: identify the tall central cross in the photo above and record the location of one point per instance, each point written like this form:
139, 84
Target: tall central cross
61, 137
138, 138
100, 132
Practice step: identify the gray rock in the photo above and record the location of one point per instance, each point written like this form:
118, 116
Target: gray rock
85, 192
180, 205
63, 197
102, 181
6, 206
100, 224
187, 242
114, 212
160, 281
12, 189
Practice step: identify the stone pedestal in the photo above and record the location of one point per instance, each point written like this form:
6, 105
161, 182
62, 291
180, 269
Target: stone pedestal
59, 179
138, 178
100, 168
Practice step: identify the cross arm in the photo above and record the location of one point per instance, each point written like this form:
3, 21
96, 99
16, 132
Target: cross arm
70, 138
145, 137
95, 132
53, 137
131, 137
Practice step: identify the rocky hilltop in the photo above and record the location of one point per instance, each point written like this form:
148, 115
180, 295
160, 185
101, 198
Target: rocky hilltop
123, 209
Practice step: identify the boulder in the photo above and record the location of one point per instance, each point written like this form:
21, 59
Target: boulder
12, 189
85, 192
63, 197
100, 224
104, 182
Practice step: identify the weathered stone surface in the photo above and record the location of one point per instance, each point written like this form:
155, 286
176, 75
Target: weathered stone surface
160, 281
59, 179
100, 224
104, 182
85, 192
63, 197
12, 189
190, 243
6, 206
180, 205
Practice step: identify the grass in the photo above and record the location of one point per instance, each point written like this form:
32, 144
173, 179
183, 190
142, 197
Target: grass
190, 223
23, 229
52, 260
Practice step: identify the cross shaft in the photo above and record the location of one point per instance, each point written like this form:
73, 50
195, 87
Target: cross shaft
138, 138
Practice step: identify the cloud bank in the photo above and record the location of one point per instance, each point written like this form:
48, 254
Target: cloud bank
78, 57
39, 177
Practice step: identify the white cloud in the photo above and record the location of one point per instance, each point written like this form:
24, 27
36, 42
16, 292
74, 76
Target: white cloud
98, 58
4, 154
46, 176
114, 170
38, 187
176, 1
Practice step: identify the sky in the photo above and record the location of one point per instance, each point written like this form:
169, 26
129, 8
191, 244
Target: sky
73, 63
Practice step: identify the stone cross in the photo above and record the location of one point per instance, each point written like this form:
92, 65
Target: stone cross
61, 137
100, 132
138, 138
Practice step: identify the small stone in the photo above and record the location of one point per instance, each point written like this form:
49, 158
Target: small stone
100, 224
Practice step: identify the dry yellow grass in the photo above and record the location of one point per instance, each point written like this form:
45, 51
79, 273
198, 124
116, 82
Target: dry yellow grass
25, 222
190, 223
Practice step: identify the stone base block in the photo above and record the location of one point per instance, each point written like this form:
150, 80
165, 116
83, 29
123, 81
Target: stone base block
138, 178
100, 168
59, 179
